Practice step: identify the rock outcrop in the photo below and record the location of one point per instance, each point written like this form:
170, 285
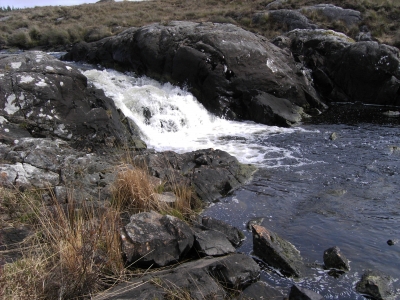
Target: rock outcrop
233, 72
344, 70
50, 99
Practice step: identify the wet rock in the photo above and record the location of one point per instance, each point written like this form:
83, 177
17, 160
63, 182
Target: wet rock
392, 242
333, 136
334, 259
151, 239
276, 252
255, 221
215, 61
376, 284
212, 243
260, 290
299, 293
234, 235
50, 99
213, 173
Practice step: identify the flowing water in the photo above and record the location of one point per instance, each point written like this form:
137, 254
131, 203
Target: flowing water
314, 191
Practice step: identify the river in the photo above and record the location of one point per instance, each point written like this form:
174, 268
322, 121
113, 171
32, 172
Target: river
314, 189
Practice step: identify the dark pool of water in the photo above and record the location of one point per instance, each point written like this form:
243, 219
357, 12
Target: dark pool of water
343, 192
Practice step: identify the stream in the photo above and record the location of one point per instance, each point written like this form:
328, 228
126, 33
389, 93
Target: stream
314, 189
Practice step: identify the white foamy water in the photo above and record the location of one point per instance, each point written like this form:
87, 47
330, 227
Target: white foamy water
171, 118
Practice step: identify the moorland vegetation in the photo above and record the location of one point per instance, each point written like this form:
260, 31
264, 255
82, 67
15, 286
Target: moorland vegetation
57, 27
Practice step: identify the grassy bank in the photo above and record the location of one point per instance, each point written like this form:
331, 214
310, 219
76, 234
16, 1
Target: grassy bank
60, 26
73, 250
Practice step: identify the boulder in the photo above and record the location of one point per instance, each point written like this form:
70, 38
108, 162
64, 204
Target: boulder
224, 66
276, 252
151, 239
299, 293
192, 280
376, 285
334, 259
212, 173
50, 99
347, 71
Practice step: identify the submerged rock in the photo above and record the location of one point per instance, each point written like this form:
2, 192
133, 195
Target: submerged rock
232, 72
377, 285
276, 252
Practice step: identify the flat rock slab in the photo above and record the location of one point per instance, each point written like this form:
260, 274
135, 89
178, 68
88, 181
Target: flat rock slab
299, 293
201, 279
212, 243
276, 252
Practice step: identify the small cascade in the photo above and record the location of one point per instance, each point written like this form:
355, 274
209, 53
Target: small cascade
171, 118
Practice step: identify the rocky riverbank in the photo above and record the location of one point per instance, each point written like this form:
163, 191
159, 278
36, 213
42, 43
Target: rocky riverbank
58, 131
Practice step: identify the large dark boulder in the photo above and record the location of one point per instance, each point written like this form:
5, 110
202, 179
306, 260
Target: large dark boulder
51, 99
346, 71
277, 252
224, 66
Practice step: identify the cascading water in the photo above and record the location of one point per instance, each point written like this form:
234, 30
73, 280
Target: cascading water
311, 190
170, 118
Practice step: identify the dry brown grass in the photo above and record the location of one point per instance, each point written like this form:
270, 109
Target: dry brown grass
75, 252
134, 191
65, 25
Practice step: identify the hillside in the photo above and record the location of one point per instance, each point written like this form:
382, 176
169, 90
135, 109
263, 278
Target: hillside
56, 28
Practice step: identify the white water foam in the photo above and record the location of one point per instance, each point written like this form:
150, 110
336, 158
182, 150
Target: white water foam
171, 118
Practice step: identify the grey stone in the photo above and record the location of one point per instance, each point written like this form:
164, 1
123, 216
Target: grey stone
277, 252
151, 239
212, 243
260, 291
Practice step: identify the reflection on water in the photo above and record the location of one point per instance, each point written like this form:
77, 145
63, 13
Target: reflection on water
349, 197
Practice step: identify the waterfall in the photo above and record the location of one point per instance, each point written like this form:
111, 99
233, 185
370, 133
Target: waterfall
171, 118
